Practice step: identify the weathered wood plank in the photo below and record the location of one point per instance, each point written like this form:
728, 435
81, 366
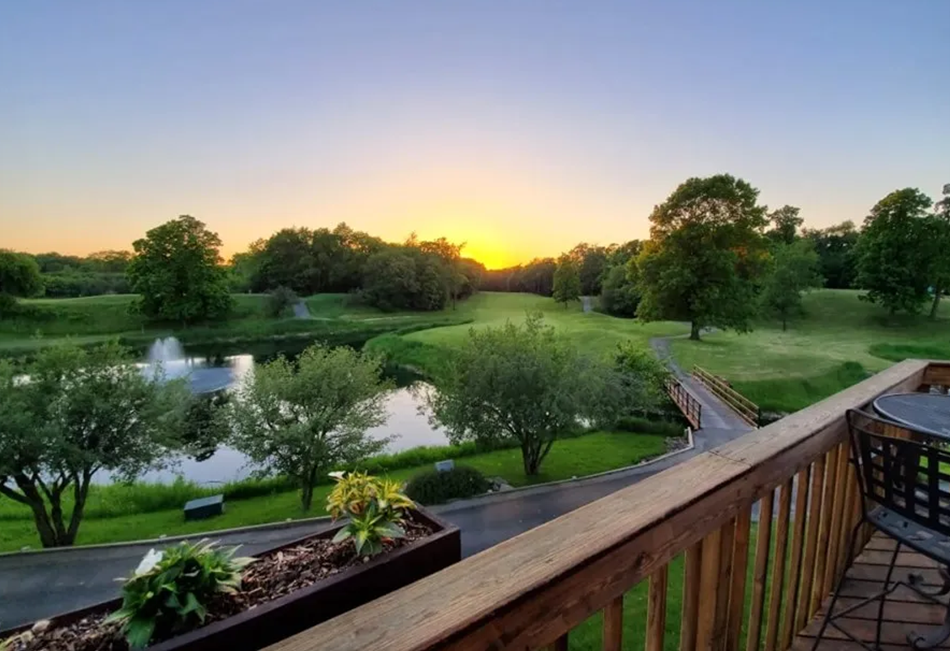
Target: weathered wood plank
613, 625
778, 567
795, 561
740, 564
656, 609
528, 591
760, 571
692, 573
560, 644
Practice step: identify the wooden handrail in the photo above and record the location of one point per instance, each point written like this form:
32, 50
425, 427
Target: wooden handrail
745, 408
531, 590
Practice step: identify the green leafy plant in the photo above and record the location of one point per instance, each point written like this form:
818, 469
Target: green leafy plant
170, 590
375, 508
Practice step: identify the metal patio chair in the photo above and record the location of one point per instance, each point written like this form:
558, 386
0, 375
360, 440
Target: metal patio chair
904, 494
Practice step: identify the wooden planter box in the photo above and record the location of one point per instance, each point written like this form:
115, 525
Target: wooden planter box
275, 620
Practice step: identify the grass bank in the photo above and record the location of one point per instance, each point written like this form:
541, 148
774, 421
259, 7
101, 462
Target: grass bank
111, 518
838, 342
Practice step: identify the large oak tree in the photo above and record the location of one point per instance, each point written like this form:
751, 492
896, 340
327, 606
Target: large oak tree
177, 270
894, 252
705, 255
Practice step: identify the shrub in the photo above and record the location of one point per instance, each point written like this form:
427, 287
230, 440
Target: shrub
434, 487
280, 301
648, 426
171, 589
375, 508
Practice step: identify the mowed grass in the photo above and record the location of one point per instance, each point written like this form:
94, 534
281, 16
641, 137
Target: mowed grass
571, 457
839, 341
593, 333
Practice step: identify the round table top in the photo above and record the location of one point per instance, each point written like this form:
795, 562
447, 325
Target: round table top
927, 412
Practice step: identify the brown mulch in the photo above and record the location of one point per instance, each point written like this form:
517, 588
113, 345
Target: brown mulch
270, 577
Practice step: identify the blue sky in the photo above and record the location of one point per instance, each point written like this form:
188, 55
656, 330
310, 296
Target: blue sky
521, 127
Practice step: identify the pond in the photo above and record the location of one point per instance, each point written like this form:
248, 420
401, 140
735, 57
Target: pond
207, 371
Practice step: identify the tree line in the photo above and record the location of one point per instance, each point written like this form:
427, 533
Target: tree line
717, 258
178, 271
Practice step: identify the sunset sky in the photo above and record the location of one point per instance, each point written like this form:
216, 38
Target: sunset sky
521, 127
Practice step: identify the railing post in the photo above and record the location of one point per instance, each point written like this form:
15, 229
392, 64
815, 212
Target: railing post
613, 625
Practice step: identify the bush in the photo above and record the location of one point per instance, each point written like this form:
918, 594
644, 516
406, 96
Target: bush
280, 301
648, 426
434, 487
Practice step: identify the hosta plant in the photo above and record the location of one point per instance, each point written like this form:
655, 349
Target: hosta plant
375, 508
170, 590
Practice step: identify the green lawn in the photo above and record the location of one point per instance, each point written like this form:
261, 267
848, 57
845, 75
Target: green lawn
593, 332
838, 342
583, 455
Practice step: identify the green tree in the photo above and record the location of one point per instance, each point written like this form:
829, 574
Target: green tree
793, 270
304, 420
81, 411
19, 277
591, 267
405, 278
705, 255
452, 274
785, 224
939, 239
835, 248
178, 272
517, 382
893, 252
567, 281
620, 295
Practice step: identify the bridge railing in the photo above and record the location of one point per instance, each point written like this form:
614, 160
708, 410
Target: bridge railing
744, 408
688, 405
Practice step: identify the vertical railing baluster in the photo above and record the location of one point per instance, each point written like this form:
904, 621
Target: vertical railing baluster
764, 534
795, 563
559, 644
691, 585
837, 518
613, 625
709, 588
656, 609
804, 612
778, 567
740, 564
818, 591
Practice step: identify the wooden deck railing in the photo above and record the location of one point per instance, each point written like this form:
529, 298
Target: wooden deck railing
780, 500
688, 405
744, 408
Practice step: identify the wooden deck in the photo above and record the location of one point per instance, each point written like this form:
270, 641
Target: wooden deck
904, 611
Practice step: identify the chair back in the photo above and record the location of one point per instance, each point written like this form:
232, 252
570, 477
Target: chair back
901, 469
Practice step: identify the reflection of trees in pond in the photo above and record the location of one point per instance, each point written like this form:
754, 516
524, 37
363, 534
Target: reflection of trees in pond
205, 426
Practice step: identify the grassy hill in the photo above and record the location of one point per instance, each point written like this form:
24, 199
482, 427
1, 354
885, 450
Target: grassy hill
836, 343
591, 332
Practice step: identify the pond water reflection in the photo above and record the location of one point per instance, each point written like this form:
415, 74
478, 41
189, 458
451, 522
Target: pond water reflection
206, 372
